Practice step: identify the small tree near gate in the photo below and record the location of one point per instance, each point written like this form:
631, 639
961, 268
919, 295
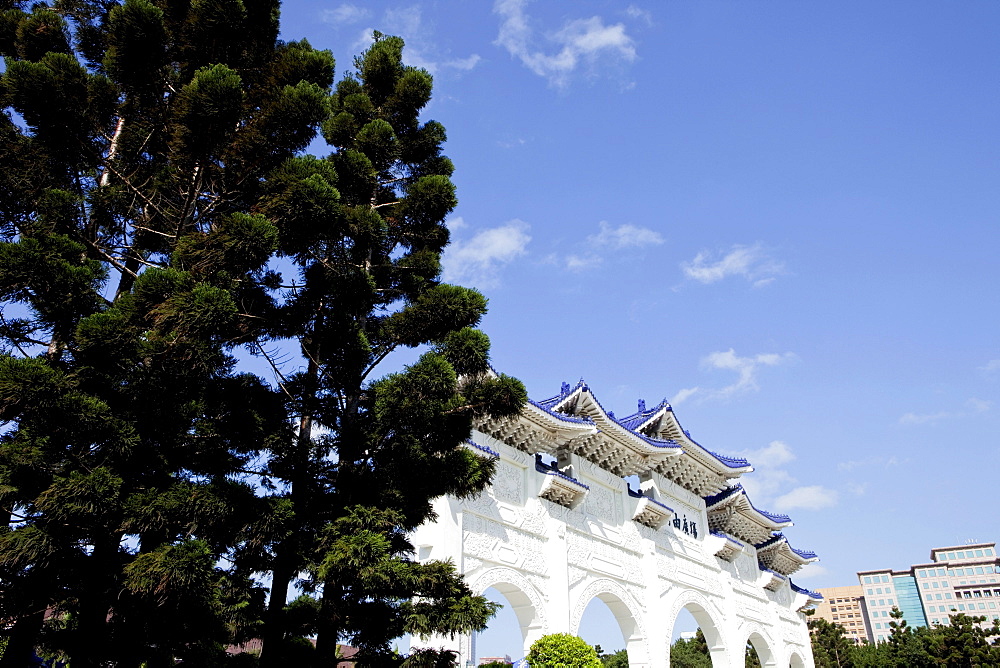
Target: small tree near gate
562, 650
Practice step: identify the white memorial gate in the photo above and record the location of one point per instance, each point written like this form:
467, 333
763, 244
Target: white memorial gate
561, 525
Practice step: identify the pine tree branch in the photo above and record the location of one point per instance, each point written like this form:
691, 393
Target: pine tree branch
274, 367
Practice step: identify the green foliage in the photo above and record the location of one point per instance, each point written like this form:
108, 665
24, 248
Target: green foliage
961, 643
150, 183
618, 659
691, 653
562, 650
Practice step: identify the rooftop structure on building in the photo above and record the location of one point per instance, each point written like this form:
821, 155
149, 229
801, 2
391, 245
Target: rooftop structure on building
961, 578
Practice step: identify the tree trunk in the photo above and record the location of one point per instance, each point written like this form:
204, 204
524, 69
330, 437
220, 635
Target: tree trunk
21, 641
286, 558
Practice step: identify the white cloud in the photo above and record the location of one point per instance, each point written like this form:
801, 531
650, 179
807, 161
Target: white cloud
813, 497
343, 14
684, 395
751, 262
972, 407
772, 487
768, 478
479, 259
636, 12
871, 462
745, 367
582, 262
606, 240
811, 570
624, 236
423, 48
578, 41
990, 367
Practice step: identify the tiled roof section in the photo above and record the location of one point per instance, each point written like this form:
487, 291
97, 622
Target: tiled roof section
805, 554
715, 499
634, 422
546, 406
488, 450
802, 590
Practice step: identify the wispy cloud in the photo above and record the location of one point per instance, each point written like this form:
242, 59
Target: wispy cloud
991, 367
624, 236
578, 42
871, 463
972, 407
746, 369
344, 14
812, 497
478, 260
636, 12
813, 570
608, 239
752, 263
423, 46
773, 487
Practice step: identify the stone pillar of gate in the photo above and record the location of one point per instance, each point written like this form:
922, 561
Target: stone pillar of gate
557, 592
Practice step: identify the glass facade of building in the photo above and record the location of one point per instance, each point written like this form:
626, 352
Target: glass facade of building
908, 597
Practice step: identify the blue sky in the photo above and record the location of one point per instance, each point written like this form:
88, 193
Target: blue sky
780, 215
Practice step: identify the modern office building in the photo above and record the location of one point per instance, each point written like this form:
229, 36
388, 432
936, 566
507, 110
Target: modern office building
963, 578
845, 607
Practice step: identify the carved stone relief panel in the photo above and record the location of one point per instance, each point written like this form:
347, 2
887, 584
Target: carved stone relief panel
508, 483
492, 541
602, 557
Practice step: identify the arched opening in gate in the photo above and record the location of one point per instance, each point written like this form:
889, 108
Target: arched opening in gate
606, 613
514, 628
796, 661
692, 648
758, 652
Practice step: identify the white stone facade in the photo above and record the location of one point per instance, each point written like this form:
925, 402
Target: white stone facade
552, 537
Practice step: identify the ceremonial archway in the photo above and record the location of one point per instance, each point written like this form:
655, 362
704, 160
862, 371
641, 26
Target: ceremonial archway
624, 608
526, 602
560, 526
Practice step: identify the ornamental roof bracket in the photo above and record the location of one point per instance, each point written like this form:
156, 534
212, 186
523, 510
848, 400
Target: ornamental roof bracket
804, 599
776, 554
770, 580
558, 487
724, 546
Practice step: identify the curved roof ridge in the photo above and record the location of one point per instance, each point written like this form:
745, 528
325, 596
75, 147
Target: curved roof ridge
610, 416
803, 590
777, 518
805, 554
565, 417
723, 495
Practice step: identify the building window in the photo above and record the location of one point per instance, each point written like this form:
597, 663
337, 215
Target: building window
868, 580
988, 552
937, 596
979, 553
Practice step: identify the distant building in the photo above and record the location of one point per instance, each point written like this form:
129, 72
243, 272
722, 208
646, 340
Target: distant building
845, 607
495, 659
963, 578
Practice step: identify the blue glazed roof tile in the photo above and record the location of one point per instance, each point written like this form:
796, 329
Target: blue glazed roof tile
488, 450
802, 590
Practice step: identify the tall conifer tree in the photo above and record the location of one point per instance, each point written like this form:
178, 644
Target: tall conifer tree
366, 229
148, 177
